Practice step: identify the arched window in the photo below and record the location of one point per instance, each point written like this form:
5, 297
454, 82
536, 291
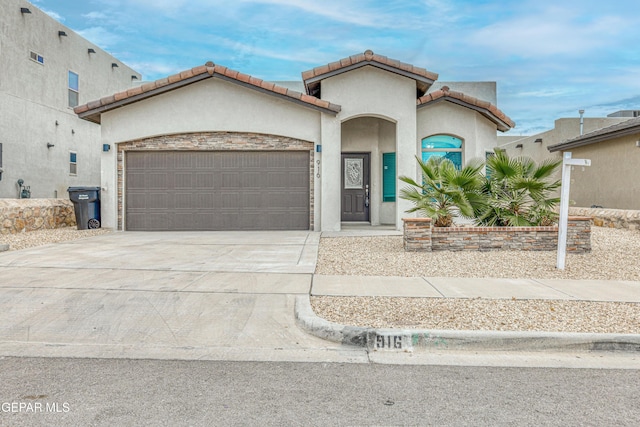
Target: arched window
446, 146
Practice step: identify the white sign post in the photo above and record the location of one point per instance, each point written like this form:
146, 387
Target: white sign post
567, 163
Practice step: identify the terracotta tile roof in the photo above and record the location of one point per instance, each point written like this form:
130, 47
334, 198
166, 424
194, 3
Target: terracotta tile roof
628, 127
312, 78
91, 111
485, 108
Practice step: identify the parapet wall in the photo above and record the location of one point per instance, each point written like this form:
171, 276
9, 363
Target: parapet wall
19, 215
420, 235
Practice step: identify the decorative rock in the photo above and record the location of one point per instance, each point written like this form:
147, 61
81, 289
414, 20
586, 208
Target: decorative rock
19, 215
611, 218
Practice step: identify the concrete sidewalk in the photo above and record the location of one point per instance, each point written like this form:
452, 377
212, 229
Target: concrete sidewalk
448, 287
455, 287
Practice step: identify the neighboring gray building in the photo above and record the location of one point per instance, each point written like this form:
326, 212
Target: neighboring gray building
625, 113
535, 146
215, 149
46, 69
613, 179
594, 185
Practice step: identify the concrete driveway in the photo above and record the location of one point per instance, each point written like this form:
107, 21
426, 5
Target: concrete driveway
184, 295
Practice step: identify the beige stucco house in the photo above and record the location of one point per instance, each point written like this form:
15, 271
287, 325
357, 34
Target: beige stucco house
215, 149
612, 180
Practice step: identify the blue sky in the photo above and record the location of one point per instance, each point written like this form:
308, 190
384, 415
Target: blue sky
549, 58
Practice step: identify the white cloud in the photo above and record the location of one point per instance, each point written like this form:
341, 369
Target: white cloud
100, 37
360, 13
155, 70
53, 14
94, 16
550, 32
547, 93
167, 6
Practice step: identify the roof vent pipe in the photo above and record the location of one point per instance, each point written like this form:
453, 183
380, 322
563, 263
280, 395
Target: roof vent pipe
581, 122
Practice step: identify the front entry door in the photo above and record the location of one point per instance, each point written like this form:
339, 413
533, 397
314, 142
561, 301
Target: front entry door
355, 187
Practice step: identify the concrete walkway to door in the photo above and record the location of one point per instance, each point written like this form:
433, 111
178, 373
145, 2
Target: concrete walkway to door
184, 295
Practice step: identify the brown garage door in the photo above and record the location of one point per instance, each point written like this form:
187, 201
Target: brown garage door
214, 190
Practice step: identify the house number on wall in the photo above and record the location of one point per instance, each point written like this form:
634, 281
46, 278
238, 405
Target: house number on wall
390, 342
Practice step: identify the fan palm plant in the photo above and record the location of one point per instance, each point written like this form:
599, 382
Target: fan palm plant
519, 192
445, 191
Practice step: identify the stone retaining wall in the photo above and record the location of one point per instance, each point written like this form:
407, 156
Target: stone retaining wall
420, 235
19, 215
613, 218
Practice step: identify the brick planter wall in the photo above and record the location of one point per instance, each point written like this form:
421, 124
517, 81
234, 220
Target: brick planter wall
19, 215
419, 235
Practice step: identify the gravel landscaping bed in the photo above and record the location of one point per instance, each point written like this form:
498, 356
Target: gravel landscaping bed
614, 257
45, 237
480, 314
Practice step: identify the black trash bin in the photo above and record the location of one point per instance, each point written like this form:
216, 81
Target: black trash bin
86, 204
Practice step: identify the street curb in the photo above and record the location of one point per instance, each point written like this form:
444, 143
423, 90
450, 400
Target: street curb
425, 339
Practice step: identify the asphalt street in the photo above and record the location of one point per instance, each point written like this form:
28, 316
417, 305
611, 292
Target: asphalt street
117, 392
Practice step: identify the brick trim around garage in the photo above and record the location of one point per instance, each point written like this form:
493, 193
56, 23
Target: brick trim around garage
213, 141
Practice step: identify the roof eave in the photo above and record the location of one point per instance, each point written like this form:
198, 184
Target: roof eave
94, 114
501, 124
333, 111
423, 82
593, 139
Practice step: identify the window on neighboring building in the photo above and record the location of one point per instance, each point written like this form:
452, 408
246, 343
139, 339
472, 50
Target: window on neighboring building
73, 89
38, 58
487, 169
446, 146
388, 177
73, 163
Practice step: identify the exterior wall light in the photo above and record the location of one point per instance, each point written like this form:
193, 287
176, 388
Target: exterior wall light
62, 34
518, 145
538, 141
114, 65
24, 10
91, 50
50, 145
